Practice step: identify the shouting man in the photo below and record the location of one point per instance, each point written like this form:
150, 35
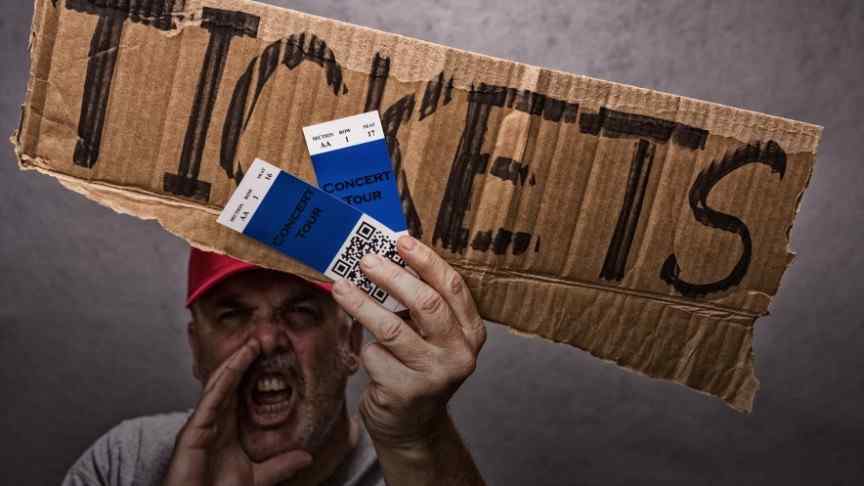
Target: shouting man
273, 353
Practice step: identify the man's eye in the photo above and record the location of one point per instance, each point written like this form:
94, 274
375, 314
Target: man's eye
234, 316
304, 311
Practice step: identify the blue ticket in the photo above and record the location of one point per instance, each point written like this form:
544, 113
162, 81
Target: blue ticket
311, 226
352, 163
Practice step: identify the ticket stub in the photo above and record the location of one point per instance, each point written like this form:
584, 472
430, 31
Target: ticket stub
309, 225
352, 163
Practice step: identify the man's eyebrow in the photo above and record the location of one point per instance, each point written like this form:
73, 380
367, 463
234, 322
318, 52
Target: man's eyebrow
228, 301
304, 296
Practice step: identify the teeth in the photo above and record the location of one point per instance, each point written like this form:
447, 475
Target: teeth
271, 384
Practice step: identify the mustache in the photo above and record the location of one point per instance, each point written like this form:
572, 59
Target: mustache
274, 363
282, 362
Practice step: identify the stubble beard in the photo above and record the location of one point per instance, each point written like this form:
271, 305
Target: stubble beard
320, 404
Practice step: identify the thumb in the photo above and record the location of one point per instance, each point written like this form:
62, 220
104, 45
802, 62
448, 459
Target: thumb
280, 468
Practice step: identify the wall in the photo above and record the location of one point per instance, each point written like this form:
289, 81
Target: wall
92, 323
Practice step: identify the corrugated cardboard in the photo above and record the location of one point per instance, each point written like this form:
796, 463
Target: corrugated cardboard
648, 229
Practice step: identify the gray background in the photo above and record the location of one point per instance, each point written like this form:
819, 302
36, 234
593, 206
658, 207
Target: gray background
91, 319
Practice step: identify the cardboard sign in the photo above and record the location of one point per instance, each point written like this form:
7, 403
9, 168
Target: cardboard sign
645, 228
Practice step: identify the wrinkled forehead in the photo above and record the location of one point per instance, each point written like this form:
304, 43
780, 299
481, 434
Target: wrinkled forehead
262, 286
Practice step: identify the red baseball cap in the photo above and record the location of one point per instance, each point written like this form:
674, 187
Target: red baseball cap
207, 270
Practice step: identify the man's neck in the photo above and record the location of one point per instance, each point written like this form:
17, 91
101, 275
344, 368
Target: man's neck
336, 447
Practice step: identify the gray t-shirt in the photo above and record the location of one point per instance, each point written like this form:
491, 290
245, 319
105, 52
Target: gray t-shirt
137, 452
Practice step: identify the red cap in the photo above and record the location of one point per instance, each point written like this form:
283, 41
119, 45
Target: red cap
207, 270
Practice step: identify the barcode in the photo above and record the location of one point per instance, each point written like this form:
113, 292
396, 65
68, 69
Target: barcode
365, 239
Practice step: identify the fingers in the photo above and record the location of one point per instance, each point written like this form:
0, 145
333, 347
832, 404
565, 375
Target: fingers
280, 468
440, 302
429, 311
223, 383
436, 272
391, 331
383, 368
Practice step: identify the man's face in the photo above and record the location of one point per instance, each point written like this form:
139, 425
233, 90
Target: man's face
292, 395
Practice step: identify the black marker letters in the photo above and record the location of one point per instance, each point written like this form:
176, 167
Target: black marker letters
771, 155
628, 219
102, 59
223, 25
293, 51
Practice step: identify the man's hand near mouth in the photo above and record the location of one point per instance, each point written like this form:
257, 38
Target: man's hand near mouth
208, 450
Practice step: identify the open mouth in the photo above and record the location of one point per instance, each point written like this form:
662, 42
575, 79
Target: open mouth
269, 399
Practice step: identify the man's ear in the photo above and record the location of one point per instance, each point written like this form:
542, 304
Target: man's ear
192, 337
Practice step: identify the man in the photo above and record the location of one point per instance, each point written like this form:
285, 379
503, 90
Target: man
273, 353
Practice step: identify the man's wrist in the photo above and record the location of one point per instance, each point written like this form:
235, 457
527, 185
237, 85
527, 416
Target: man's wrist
436, 455
422, 434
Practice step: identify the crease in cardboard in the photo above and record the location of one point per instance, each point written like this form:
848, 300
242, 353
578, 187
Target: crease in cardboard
125, 48
683, 303
42, 166
62, 123
63, 96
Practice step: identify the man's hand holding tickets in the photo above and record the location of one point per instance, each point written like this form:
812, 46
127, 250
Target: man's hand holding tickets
416, 364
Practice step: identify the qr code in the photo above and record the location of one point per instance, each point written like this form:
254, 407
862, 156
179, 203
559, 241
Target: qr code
366, 239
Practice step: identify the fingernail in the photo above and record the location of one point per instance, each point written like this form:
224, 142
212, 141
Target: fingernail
340, 286
407, 243
371, 261
308, 460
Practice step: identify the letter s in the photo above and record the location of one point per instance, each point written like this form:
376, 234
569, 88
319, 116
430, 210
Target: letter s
771, 155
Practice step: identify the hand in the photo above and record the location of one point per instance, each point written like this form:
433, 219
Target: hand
207, 450
415, 366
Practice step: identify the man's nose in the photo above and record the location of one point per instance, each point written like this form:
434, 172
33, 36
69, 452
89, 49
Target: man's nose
271, 335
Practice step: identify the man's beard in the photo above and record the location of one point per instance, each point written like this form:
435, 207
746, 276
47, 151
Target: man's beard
311, 406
